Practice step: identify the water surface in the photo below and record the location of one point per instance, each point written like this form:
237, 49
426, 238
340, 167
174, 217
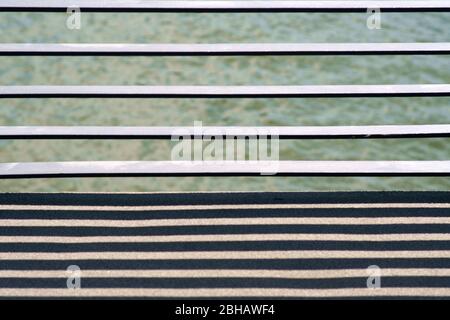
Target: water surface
222, 28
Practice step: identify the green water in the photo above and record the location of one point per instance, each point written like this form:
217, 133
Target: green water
210, 28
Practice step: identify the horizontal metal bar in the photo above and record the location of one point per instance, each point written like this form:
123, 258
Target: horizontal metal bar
230, 49
225, 6
325, 91
299, 132
224, 168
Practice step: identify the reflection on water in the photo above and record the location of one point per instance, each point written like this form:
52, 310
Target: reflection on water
210, 28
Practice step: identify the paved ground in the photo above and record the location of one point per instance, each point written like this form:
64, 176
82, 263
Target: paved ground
278, 245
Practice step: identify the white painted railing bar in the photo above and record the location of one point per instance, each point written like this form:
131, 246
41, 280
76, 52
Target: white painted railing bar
223, 168
306, 91
226, 6
175, 49
285, 132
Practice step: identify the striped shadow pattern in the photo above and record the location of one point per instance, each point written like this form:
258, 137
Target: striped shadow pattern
226, 245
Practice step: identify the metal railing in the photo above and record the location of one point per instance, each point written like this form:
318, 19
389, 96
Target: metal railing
234, 168
226, 6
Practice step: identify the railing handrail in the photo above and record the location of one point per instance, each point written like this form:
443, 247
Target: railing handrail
226, 6
261, 91
223, 168
284, 132
211, 49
